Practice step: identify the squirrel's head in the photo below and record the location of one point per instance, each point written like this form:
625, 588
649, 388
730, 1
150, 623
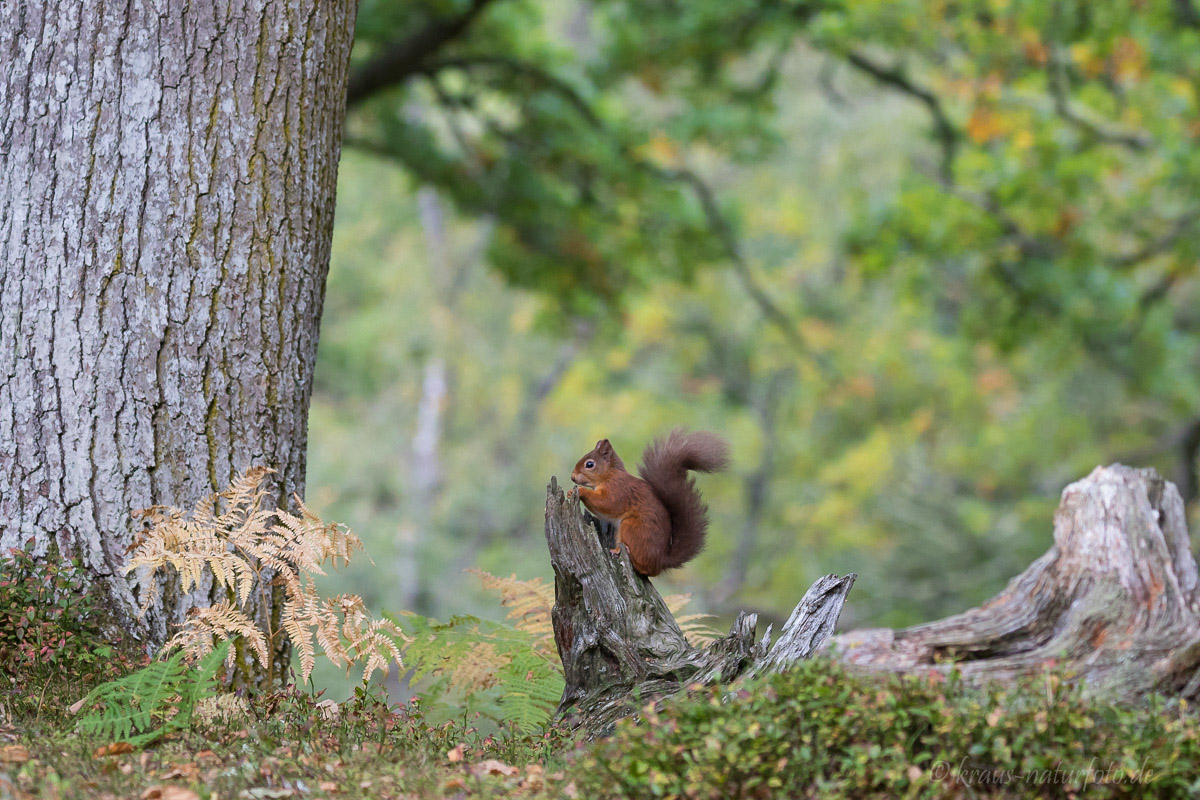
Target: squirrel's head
593, 468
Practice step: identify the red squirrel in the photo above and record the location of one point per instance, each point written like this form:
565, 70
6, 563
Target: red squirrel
661, 518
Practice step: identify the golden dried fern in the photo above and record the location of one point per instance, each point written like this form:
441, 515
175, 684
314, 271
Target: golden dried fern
697, 632
230, 539
529, 603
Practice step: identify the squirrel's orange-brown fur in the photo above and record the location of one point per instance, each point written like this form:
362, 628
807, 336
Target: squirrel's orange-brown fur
661, 517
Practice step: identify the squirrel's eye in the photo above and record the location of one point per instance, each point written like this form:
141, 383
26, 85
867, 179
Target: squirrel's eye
590, 464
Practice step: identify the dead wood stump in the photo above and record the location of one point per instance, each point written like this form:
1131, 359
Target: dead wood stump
620, 645
1114, 601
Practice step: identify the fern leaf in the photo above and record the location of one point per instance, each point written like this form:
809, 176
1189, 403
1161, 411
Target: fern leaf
153, 701
691, 626
490, 667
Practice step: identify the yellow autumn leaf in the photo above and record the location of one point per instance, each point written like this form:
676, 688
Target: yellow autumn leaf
661, 149
1084, 56
984, 125
1128, 60
818, 334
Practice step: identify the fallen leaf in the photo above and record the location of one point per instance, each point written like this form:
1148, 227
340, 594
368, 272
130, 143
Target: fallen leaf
329, 709
114, 749
493, 767
77, 706
455, 754
327, 786
455, 783
189, 771
534, 777
13, 754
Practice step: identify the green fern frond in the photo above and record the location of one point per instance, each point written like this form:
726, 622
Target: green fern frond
153, 701
490, 667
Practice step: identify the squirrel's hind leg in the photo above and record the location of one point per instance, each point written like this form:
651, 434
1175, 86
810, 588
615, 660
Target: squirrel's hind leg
643, 553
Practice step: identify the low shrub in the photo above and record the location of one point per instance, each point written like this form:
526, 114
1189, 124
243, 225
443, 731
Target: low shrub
53, 648
821, 731
46, 613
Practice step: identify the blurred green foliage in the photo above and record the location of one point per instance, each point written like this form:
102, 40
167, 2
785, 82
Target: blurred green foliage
923, 262
488, 669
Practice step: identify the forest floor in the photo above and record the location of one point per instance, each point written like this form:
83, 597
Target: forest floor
290, 747
818, 731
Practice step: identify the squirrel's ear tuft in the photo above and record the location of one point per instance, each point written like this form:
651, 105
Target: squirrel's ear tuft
603, 445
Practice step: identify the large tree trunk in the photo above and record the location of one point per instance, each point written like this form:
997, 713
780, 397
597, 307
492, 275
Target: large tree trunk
165, 218
1115, 601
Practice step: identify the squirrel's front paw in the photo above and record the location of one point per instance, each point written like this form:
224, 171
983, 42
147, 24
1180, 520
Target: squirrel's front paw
573, 492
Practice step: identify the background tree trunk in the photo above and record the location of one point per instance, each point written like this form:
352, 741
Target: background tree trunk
165, 221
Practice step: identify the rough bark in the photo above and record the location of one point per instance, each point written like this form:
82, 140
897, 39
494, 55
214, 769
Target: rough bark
619, 644
1114, 601
165, 220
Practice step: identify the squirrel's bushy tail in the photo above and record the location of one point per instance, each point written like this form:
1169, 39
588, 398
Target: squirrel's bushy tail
665, 465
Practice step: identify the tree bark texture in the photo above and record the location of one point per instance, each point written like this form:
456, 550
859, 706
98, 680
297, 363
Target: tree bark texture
621, 647
1114, 601
166, 206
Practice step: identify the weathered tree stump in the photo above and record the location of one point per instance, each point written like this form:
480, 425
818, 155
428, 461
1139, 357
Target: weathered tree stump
620, 645
1114, 601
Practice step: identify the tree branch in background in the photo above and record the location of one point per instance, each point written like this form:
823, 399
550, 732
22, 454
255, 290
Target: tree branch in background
757, 490
511, 528
518, 67
1028, 244
1183, 225
1032, 245
531, 411
1187, 14
828, 88
896, 77
404, 58
1101, 132
717, 221
733, 251
1187, 475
